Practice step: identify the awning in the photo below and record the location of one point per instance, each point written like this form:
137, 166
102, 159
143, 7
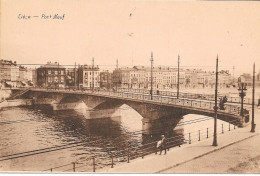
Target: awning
23, 83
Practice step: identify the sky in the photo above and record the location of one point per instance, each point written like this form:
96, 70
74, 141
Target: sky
130, 30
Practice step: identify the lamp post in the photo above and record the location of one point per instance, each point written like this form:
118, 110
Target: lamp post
253, 102
216, 107
151, 75
242, 94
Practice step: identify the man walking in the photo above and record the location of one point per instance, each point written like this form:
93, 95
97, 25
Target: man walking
163, 145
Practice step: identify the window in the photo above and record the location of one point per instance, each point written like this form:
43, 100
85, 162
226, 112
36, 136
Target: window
56, 79
49, 72
49, 79
62, 72
62, 79
56, 72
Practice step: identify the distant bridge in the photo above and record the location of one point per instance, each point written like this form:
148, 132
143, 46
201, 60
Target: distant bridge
109, 101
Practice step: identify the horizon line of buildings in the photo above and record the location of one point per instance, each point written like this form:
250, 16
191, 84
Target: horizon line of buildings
54, 75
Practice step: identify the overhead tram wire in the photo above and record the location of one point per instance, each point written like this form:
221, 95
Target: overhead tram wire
114, 65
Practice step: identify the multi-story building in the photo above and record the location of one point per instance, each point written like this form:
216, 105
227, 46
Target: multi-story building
34, 77
9, 73
117, 78
28, 74
51, 75
72, 77
137, 77
248, 79
257, 80
224, 79
121, 77
165, 78
13, 75
22, 76
197, 78
209, 79
140, 77
106, 78
89, 76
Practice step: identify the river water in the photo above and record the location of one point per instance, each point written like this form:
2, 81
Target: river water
77, 137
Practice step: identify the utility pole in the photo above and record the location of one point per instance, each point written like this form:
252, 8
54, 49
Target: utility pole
78, 77
107, 81
216, 107
92, 73
151, 75
75, 84
178, 80
117, 74
253, 102
59, 76
233, 74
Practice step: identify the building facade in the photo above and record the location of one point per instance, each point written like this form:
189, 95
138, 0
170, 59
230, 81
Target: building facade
121, 77
51, 75
89, 76
106, 79
10, 74
167, 78
72, 77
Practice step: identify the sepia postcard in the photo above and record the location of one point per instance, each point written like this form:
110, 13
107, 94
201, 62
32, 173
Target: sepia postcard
129, 86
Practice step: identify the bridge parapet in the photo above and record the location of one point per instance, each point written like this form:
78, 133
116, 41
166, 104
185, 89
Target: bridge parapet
210, 97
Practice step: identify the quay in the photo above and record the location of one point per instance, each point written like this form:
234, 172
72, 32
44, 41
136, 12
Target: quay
183, 159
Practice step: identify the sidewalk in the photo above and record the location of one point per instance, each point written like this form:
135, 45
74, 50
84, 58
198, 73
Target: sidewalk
180, 155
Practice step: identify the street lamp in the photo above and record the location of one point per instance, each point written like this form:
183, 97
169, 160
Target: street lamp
242, 94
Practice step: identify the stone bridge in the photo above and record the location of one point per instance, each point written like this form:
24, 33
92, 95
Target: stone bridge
105, 103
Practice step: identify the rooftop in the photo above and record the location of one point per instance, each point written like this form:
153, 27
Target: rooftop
7, 62
52, 65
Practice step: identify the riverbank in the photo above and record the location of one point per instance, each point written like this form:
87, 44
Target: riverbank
15, 103
4, 94
235, 148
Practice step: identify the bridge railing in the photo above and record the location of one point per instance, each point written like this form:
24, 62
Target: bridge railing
233, 109
210, 97
112, 157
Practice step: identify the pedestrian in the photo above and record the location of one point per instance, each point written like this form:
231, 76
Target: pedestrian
163, 145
